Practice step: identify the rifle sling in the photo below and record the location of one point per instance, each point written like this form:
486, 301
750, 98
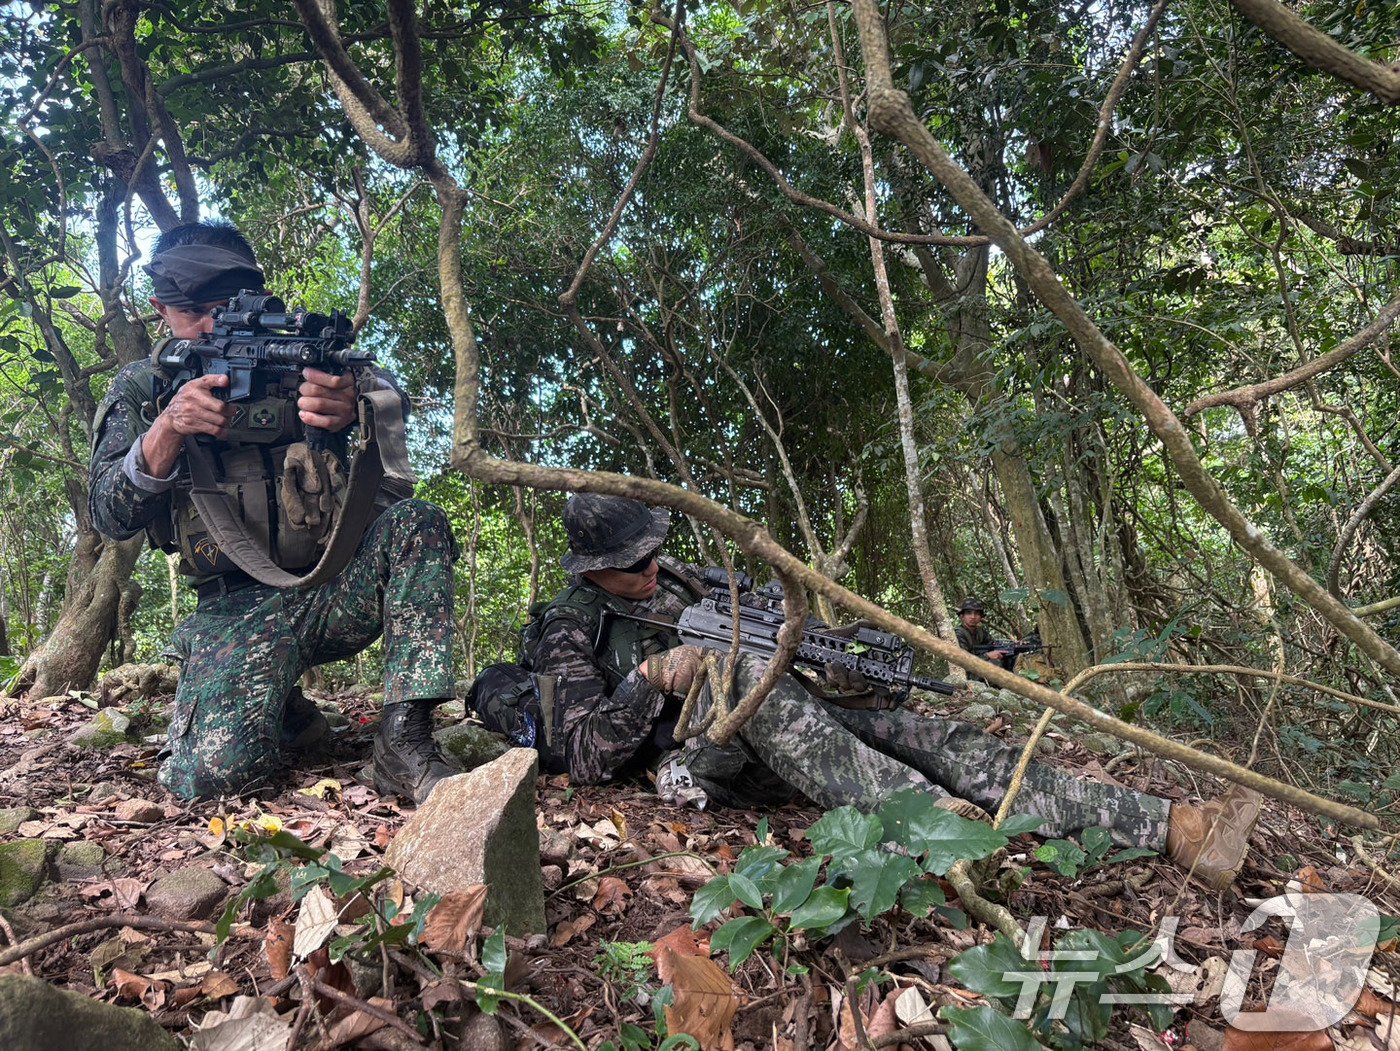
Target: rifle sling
379, 408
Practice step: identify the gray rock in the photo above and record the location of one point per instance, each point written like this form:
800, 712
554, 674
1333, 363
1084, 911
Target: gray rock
471, 745
12, 817
80, 859
1100, 743
23, 866
479, 827
104, 730
101, 792
979, 713
35, 1014
187, 894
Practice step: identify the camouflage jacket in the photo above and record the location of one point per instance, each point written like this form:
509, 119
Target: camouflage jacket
119, 507
608, 723
969, 640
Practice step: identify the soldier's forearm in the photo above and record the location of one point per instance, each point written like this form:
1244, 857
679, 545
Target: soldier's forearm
161, 447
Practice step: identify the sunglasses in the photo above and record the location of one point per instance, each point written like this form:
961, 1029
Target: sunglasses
641, 565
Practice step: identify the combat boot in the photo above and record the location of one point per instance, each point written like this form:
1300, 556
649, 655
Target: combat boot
407, 762
1210, 841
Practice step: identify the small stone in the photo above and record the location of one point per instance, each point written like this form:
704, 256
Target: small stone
12, 817
1047, 745
555, 846
471, 745
104, 730
23, 865
101, 792
35, 1014
335, 720
979, 713
552, 875
187, 894
1101, 743
142, 811
479, 827
80, 859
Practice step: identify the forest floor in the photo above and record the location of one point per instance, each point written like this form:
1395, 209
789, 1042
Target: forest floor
620, 868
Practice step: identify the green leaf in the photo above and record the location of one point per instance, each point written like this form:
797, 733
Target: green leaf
493, 959
983, 1029
1095, 843
740, 938
1018, 824
745, 891
1061, 855
1131, 854
844, 831
901, 812
982, 968
794, 884
877, 877
822, 908
946, 838
64, 291
760, 864
920, 898
710, 900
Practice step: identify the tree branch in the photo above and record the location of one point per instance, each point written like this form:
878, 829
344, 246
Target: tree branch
1320, 51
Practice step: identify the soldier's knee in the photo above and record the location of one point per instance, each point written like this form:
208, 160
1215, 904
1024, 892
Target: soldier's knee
418, 520
192, 774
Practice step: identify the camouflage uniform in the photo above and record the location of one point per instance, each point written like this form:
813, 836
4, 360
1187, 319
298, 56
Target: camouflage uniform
246, 644
611, 724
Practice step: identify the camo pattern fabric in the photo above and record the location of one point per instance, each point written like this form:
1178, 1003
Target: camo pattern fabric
120, 509
798, 742
243, 652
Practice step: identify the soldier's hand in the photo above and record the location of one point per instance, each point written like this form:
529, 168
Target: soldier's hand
674, 671
326, 401
195, 410
845, 680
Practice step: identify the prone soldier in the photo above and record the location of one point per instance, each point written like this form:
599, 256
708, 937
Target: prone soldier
616, 685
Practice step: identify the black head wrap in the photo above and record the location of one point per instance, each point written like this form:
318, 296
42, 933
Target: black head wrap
193, 275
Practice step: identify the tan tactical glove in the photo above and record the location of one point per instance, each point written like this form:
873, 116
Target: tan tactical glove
673, 672
312, 486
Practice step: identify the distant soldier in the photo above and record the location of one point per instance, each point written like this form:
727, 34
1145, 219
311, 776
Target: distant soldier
238, 715
974, 637
617, 686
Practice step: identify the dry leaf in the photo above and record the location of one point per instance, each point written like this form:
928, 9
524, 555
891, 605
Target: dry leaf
356, 1025
315, 922
217, 985
1310, 880
134, 987
705, 998
250, 1024
910, 1007
612, 896
884, 1020
1147, 1040
322, 788
1371, 1005
279, 947
683, 941
347, 843
125, 892
569, 929
619, 821
455, 919
1240, 1040
442, 991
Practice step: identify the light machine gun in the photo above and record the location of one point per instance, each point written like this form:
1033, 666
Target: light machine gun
262, 347
885, 660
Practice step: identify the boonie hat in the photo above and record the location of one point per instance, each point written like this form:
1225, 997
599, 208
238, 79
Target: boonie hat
610, 532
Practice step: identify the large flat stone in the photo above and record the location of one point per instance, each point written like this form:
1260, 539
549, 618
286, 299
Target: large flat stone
12, 817
35, 1014
187, 894
479, 827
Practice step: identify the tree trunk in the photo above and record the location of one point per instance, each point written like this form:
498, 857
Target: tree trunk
98, 576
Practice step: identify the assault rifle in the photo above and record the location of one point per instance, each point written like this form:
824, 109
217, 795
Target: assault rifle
885, 660
1010, 647
262, 347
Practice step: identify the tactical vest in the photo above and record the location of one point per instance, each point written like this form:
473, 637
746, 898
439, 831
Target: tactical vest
619, 643
248, 468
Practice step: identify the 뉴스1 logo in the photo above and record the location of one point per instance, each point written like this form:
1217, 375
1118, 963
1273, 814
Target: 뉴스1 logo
1320, 977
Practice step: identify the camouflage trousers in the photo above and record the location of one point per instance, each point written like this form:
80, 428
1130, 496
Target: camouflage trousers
838, 756
243, 652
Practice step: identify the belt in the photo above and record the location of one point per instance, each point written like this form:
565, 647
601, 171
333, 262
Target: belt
224, 584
